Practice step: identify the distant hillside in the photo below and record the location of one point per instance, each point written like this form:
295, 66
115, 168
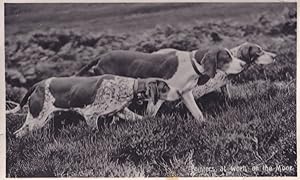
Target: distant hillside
23, 18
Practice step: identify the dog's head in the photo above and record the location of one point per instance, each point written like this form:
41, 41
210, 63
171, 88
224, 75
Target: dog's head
218, 58
253, 53
159, 89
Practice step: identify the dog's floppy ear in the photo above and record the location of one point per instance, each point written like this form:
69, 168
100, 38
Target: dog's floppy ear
249, 52
153, 91
209, 62
244, 52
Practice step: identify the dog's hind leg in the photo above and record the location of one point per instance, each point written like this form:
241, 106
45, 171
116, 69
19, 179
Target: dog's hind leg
25, 128
33, 123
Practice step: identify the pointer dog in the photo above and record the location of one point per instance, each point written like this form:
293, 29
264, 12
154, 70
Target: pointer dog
180, 69
91, 97
250, 53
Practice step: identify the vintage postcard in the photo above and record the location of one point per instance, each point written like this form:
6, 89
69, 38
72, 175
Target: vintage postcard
142, 89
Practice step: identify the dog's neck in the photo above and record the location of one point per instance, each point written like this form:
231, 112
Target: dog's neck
198, 69
196, 66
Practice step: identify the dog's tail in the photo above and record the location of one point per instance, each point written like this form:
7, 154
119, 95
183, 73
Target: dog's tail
23, 102
87, 67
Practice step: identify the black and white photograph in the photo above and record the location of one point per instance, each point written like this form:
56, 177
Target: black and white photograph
164, 89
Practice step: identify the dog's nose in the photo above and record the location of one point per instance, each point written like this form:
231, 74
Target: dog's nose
272, 55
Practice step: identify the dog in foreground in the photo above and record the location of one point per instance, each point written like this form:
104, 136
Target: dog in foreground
91, 97
181, 69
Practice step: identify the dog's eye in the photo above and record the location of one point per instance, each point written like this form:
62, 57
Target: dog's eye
164, 89
256, 51
259, 51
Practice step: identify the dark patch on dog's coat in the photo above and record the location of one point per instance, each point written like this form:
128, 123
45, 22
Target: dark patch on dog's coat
138, 64
249, 53
223, 57
212, 59
36, 101
76, 91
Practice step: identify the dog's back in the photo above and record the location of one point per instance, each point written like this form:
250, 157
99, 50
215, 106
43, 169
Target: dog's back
137, 64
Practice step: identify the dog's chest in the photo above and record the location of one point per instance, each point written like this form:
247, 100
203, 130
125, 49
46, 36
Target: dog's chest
212, 84
112, 96
185, 78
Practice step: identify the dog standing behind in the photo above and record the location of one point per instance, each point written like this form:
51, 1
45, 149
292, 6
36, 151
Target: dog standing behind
250, 53
91, 97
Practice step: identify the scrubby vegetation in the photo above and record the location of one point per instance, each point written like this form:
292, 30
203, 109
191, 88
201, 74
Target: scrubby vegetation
255, 128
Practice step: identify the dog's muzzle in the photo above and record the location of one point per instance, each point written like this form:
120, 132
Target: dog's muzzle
140, 97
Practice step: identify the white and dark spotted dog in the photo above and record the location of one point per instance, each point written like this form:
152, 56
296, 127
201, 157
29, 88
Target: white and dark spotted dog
91, 97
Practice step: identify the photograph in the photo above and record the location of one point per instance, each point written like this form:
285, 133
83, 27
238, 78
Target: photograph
164, 89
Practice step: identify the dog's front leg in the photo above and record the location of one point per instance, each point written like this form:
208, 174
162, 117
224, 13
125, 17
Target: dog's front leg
153, 109
92, 122
129, 115
226, 90
189, 101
